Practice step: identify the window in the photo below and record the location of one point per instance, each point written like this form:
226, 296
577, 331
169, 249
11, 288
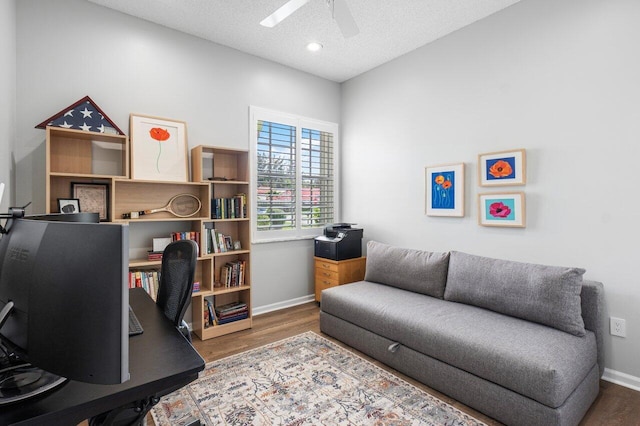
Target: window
294, 179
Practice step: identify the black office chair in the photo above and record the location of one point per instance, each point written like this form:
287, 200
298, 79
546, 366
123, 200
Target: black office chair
176, 281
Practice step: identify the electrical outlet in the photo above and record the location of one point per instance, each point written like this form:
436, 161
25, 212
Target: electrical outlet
618, 327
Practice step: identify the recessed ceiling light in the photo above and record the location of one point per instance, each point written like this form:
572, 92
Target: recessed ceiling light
314, 47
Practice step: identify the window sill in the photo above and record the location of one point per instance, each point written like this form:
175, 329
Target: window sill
283, 239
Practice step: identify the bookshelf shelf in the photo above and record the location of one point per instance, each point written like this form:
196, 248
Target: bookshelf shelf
223, 290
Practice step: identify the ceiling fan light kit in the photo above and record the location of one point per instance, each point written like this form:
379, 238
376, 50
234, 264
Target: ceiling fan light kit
339, 12
314, 46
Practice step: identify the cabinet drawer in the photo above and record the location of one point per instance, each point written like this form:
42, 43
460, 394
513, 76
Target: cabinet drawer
325, 282
327, 274
326, 266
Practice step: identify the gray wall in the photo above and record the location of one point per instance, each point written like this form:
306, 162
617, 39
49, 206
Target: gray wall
8, 99
559, 78
71, 48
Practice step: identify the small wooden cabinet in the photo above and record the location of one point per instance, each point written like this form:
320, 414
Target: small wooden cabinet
331, 273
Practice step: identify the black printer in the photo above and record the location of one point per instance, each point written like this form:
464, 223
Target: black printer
340, 241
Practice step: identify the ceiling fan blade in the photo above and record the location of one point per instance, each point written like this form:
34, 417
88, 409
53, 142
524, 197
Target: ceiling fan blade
282, 13
344, 18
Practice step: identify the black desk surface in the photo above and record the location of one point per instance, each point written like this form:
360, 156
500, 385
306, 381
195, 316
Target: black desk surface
160, 360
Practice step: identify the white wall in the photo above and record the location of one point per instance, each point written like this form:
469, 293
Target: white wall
8, 99
68, 49
559, 78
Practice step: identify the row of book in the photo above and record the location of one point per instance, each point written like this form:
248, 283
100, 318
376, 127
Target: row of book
217, 242
188, 235
232, 274
229, 208
224, 314
146, 279
175, 236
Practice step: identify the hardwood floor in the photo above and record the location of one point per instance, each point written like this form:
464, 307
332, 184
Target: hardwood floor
615, 405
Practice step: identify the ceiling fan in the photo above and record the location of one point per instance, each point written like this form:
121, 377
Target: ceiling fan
339, 11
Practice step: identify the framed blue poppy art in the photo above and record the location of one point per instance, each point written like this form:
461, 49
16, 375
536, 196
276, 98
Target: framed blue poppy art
445, 190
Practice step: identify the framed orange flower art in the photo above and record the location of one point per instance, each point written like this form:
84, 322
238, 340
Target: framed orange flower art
158, 149
445, 190
502, 168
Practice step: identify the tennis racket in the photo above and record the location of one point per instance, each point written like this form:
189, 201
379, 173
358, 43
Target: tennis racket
182, 205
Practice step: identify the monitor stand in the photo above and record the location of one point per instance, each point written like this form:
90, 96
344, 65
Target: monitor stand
20, 380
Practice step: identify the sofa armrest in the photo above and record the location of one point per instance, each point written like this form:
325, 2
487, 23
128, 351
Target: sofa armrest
592, 300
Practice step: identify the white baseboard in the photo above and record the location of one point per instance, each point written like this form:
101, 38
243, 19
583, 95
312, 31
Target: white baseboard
622, 379
284, 304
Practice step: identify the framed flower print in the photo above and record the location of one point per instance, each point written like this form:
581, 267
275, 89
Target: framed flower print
502, 168
444, 191
502, 209
158, 149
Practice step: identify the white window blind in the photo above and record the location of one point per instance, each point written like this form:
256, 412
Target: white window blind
294, 180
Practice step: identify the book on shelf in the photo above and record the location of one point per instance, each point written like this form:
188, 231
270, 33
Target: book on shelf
231, 312
231, 307
186, 235
217, 242
229, 208
154, 256
149, 280
209, 314
242, 316
232, 274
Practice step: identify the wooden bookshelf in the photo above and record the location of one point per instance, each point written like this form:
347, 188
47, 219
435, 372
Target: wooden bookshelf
226, 171
74, 156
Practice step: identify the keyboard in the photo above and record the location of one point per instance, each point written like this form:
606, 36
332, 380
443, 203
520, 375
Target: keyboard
134, 324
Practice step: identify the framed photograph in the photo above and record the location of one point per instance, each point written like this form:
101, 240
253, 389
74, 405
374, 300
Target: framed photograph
444, 192
94, 197
69, 205
502, 209
502, 168
158, 149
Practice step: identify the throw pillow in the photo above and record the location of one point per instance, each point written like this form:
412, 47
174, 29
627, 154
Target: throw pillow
414, 270
547, 295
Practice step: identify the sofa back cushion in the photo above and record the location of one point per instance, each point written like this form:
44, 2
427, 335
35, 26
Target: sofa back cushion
414, 270
547, 295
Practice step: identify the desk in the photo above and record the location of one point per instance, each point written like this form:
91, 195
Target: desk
161, 360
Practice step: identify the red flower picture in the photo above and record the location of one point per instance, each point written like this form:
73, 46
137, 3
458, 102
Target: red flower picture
161, 135
499, 209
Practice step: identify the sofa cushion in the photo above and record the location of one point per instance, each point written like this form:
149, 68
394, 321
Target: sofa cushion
540, 362
547, 295
414, 270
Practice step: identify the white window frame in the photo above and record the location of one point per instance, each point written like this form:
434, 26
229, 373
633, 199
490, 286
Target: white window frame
262, 114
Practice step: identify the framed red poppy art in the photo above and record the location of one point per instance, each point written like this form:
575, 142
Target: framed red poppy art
158, 149
502, 168
502, 209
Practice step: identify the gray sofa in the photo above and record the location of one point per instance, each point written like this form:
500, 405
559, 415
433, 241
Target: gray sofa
519, 342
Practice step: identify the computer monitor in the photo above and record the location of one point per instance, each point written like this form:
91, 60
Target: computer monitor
64, 298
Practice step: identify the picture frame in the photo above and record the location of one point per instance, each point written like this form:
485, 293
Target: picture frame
505, 209
502, 168
158, 149
444, 190
69, 205
93, 197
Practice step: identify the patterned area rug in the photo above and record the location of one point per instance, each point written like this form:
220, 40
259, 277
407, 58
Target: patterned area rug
303, 380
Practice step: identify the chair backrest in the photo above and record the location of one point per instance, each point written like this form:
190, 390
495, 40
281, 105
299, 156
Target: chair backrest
176, 279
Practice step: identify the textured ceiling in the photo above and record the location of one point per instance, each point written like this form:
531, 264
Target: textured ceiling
388, 28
